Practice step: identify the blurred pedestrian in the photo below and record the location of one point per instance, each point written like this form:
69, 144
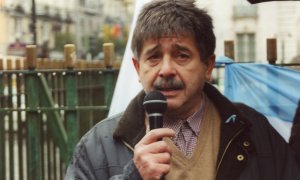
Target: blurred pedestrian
44, 50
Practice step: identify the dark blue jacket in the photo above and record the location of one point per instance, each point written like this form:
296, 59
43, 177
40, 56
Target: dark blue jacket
295, 134
250, 149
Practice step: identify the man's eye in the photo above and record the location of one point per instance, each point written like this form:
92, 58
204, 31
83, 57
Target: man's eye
183, 56
153, 57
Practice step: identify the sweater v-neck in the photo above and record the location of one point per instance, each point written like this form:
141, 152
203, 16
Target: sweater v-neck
210, 127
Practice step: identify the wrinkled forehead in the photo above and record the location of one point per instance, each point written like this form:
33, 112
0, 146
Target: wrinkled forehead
171, 43
167, 33
155, 38
173, 40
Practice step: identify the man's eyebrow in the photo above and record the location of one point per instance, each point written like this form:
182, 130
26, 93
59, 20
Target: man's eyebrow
181, 47
151, 50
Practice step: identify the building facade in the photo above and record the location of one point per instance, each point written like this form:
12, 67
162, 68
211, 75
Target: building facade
57, 22
249, 26
81, 21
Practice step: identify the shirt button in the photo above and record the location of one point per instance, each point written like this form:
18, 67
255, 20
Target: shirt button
246, 143
240, 157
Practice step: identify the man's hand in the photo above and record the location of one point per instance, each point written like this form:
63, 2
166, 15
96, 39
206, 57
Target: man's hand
151, 156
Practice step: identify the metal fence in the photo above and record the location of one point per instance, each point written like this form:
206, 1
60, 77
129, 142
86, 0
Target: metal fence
45, 106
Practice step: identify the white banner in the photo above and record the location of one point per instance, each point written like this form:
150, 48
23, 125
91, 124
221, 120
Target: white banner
127, 85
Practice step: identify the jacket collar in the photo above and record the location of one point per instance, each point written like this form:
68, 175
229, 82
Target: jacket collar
131, 127
233, 122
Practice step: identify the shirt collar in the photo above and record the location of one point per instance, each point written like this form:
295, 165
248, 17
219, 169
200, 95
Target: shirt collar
194, 120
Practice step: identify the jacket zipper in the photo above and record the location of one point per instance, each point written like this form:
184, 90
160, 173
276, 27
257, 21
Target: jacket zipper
147, 129
227, 146
127, 145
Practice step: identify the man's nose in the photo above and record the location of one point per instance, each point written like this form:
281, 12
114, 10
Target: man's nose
167, 68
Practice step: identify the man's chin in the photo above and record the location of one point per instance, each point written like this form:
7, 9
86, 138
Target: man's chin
173, 106
173, 111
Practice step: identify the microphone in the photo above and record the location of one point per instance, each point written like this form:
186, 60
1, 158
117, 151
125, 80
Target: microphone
155, 104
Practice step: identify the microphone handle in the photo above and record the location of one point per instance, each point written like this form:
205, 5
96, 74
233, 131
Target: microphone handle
155, 121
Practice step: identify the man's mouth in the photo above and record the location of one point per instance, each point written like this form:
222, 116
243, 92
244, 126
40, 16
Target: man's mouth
169, 93
161, 88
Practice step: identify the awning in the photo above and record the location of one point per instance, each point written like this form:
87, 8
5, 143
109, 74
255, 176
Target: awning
260, 1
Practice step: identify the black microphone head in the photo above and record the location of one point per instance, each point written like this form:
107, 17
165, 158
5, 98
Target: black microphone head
155, 102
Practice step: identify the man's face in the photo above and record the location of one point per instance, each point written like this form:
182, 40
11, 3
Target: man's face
173, 66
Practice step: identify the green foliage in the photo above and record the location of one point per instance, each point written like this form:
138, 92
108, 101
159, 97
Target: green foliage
95, 45
63, 38
120, 45
116, 35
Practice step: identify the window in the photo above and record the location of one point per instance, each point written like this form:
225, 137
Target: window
45, 30
245, 47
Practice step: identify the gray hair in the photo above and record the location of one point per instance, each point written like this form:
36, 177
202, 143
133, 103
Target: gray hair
174, 17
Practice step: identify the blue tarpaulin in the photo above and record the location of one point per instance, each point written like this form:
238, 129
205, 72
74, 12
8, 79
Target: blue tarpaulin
274, 91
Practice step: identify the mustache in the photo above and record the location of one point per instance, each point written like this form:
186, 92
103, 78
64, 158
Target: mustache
168, 84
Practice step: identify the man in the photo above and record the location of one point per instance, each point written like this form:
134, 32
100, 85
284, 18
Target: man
205, 136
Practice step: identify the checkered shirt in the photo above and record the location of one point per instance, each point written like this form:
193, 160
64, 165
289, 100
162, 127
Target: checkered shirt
186, 130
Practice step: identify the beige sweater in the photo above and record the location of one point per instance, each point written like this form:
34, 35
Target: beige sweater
202, 163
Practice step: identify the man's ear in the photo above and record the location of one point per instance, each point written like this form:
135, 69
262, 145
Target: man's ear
210, 66
136, 64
